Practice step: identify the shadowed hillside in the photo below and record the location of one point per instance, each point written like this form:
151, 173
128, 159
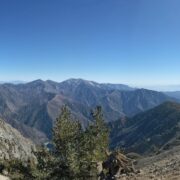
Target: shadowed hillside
151, 131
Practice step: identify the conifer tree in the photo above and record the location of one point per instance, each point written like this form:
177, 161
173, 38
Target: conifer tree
77, 152
67, 134
44, 163
96, 142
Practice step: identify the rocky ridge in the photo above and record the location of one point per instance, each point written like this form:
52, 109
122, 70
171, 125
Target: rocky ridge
13, 145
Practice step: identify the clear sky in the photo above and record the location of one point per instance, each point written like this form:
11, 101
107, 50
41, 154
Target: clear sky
120, 41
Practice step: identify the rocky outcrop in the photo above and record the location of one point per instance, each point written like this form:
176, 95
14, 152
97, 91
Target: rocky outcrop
4, 177
115, 166
13, 145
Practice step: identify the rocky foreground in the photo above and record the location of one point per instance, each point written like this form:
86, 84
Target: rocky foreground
163, 166
13, 145
3, 177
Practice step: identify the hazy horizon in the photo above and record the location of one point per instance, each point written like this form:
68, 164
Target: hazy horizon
170, 87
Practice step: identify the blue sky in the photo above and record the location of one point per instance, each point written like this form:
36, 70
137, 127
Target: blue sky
134, 42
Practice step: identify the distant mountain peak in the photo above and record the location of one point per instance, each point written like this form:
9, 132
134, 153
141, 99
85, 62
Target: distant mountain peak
13, 82
37, 81
78, 81
107, 86
37, 104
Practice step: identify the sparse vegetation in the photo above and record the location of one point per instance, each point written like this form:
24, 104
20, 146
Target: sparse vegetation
75, 154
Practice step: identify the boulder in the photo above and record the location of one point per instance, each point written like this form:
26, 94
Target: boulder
115, 165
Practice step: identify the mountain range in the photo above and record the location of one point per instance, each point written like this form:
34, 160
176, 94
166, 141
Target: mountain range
33, 107
143, 123
151, 131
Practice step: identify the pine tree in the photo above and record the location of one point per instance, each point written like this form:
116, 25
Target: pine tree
98, 135
96, 143
44, 163
77, 152
67, 134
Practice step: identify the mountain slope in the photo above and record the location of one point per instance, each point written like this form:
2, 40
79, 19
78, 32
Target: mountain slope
164, 166
33, 107
174, 94
158, 128
13, 144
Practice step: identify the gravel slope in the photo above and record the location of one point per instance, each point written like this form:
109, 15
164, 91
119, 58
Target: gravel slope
164, 166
